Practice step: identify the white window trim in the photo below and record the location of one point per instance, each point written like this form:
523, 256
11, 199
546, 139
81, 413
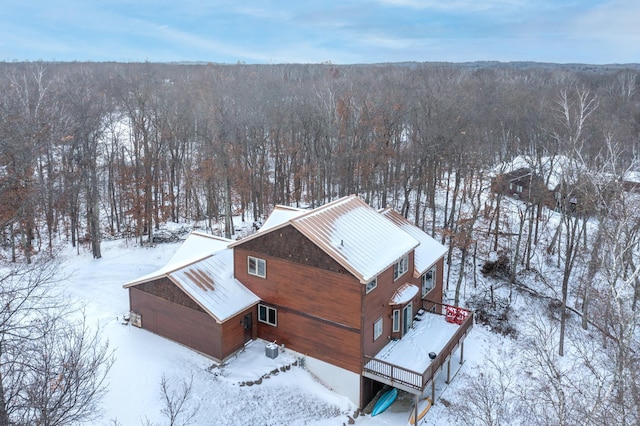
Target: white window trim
433, 279
401, 267
371, 285
266, 321
377, 328
396, 320
257, 261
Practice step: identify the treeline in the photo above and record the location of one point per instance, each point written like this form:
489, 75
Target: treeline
89, 150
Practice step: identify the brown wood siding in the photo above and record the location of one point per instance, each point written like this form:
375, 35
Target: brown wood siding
377, 305
289, 244
319, 310
328, 295
335, 345
179, 323
233, 331
166, 289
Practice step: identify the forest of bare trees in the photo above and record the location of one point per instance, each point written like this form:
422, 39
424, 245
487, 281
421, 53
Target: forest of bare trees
90, 151
98, 150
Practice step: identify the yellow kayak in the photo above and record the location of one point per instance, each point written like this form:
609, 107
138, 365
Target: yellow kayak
423, 407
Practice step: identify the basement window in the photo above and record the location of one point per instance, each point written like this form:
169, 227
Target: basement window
268, 315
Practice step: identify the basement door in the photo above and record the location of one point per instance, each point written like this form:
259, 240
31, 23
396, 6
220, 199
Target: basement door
247, 324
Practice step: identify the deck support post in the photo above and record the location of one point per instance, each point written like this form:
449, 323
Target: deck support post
415, 409
433, 390
462, 351
449, 370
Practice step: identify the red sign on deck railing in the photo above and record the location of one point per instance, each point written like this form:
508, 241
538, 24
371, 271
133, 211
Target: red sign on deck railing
455, 314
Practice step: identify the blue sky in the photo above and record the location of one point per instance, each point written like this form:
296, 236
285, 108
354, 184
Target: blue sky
313, 31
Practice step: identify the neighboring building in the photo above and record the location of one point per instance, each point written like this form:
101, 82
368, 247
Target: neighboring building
524, 185
631, 181
339, 285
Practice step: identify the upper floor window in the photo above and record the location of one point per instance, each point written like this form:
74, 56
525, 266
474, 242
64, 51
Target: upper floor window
377, 328
400, 267
428, 281
372, 284
257, 267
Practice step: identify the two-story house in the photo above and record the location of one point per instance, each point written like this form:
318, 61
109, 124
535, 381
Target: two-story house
336, 284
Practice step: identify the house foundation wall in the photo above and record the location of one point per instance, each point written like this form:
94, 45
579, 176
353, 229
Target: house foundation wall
341, 381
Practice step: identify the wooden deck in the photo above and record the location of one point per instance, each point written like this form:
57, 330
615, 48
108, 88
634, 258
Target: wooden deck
411, 381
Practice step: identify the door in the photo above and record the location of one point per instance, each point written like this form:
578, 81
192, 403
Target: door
407, 318
247, 324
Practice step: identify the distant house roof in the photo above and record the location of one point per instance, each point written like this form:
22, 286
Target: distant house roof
203, 268
631, 176
554, 169
429, 250
352, 233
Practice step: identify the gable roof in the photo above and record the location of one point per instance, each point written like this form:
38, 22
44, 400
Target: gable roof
203, 268
429, 250
281, 215
197, 246
353, 234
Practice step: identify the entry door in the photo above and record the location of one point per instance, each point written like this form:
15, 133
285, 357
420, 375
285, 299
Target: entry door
247, 323
407, 318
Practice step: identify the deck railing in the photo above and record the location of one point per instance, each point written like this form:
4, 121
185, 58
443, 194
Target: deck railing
395, 374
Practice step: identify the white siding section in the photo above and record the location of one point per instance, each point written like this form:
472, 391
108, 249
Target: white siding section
342, 381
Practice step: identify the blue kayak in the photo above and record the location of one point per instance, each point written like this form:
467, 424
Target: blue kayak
385, 401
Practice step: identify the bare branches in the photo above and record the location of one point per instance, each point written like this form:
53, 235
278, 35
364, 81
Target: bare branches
52, 370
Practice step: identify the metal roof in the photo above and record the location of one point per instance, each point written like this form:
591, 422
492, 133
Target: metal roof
429, 250
203, 268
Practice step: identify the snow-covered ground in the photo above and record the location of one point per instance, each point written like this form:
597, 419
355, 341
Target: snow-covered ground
220, 394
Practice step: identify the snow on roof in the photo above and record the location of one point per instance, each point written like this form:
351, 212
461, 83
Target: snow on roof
197, 246
632, 176
203, 268
211, 284
429, 250
404, 294
281, 215
352, 233
356, 236
555, 168
430, 334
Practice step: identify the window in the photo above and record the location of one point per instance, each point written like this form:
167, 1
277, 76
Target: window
400, 267
268, 315
257, 267
519, 188
377, 328
396, 320
428, 281
372, 284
